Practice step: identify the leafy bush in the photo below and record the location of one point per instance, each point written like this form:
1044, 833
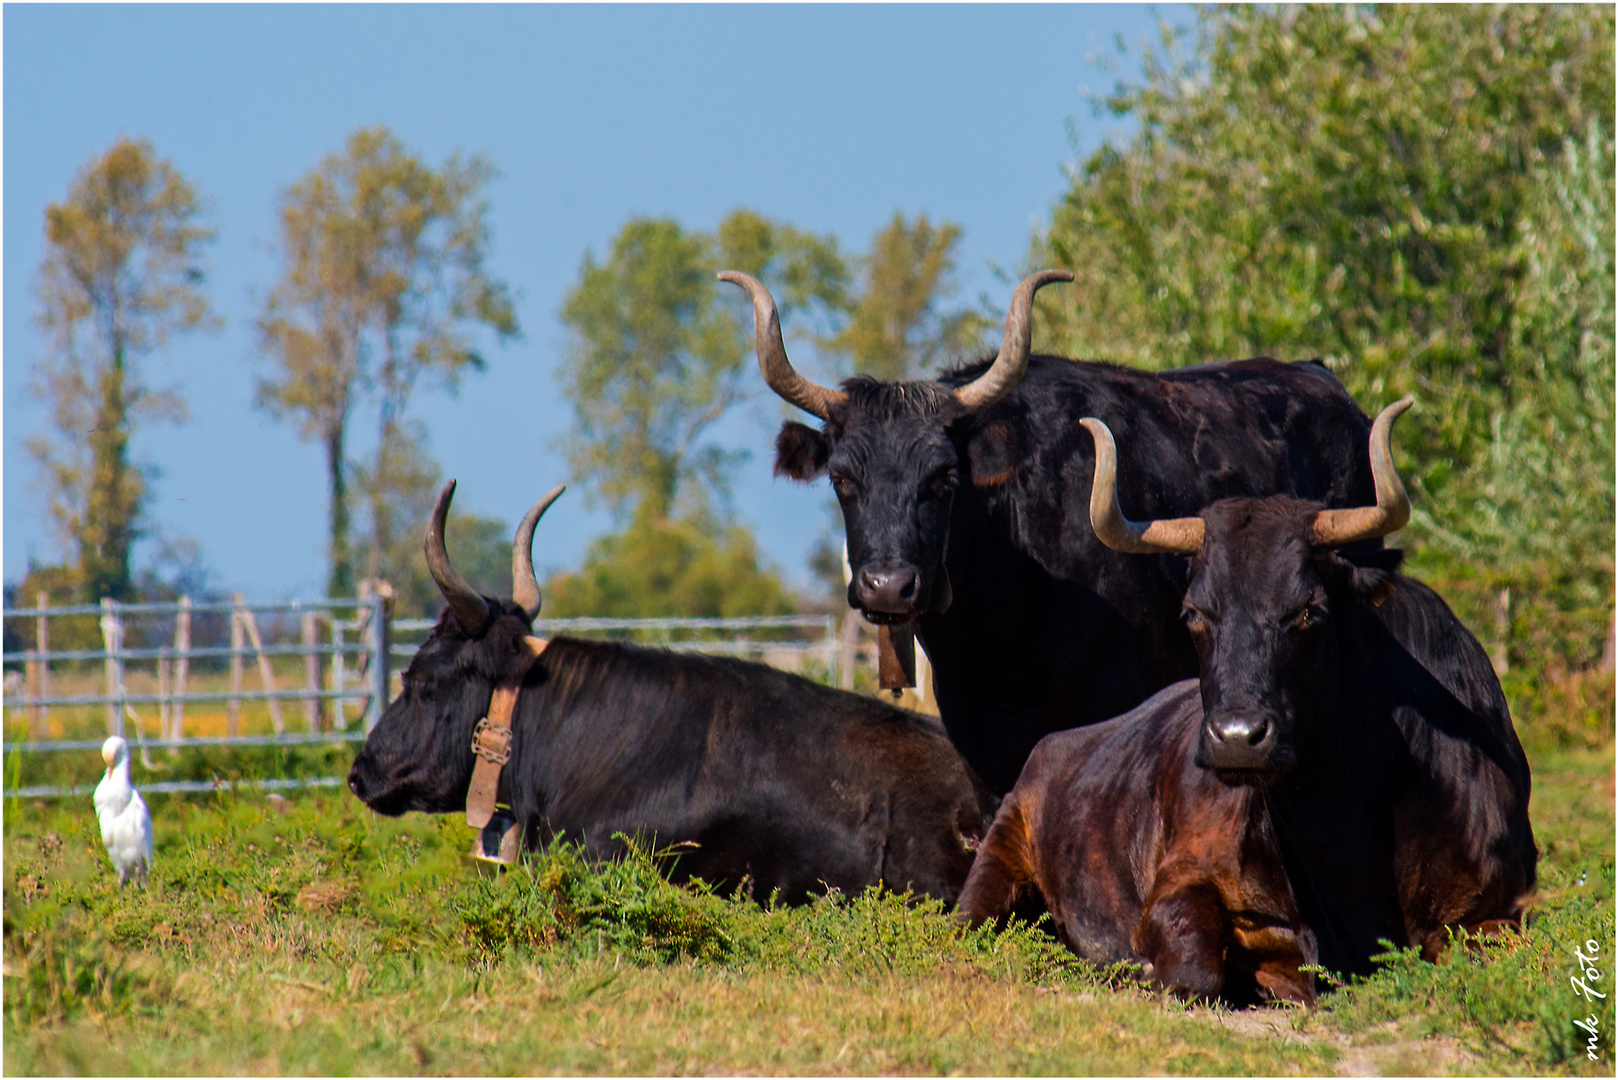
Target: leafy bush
1423, 197
1509, 997
621, 906
563, 901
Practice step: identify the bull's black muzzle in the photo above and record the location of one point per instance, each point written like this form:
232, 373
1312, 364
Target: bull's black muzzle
1246, 745
888, 590
356, 781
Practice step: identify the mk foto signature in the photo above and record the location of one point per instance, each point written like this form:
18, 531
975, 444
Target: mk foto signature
1581, 979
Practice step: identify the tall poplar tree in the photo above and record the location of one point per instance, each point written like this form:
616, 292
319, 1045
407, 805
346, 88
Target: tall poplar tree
121, 275
383, 286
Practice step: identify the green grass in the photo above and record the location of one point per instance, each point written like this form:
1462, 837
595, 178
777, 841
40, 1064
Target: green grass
326, 940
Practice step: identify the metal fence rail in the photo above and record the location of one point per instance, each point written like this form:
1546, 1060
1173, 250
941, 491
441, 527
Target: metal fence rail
187, 786
349, 665
351, 658
826, 649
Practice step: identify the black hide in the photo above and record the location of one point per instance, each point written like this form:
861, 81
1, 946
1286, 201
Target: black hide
1046, 628
789, 784
1396, 783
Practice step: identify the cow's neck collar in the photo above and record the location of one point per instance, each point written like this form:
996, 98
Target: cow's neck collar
499, 833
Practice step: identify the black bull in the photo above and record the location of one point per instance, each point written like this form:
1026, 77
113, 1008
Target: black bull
964, 502
787, 783
1345, 772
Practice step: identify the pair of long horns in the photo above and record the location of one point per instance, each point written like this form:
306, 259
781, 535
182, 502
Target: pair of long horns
988, 388
471, 610
1183, 536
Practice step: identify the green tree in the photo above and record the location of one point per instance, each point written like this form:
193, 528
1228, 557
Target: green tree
1413, 194
121, 275
896, 328
669, 567
659, 355
383, 286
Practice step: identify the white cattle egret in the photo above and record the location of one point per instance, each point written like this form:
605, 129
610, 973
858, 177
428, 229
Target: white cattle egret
126, 827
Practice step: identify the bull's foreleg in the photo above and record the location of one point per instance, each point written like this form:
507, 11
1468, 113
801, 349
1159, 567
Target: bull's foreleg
1001, 882
1272, 955
1436, 943
1182, 932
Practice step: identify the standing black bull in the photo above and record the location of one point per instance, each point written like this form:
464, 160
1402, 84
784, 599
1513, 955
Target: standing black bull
1347, 773
964, 501
789, 783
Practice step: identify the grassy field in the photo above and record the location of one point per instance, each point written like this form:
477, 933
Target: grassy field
317, 938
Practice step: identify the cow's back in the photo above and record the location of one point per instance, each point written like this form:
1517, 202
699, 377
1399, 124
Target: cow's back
1138, 854
1464, 848
1084, 825
784, 783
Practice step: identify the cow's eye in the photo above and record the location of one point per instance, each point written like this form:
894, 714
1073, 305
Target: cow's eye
1307, 617
940, 483
844, 485
1195, 620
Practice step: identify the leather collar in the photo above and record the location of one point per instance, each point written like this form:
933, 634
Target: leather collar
491, 749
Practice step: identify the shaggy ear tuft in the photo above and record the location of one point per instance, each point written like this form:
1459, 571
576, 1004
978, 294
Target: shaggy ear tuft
1371, 585
1373, 575
800, 452
993, 455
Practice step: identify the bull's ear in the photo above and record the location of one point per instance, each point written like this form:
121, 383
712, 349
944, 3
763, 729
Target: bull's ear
1371, 585
1370, 576
1367, 584
993, 454
801, 452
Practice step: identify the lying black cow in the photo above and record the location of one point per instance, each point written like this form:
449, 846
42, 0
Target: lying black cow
790, 784
1347, 773
965, 503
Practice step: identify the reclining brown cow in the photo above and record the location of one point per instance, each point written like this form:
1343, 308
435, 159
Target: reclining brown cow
1347, 773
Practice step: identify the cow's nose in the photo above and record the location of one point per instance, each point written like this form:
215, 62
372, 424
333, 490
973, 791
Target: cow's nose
1239, 730
888, 589
355, 784
1241, 741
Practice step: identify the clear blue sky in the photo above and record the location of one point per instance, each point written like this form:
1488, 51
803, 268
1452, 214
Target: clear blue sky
828, 117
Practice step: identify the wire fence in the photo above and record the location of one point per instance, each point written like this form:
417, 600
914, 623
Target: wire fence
157, 674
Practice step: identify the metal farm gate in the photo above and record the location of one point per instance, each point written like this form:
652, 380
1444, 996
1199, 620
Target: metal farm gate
291, 674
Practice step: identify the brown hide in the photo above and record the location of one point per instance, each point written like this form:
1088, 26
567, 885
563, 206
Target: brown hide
1140, 855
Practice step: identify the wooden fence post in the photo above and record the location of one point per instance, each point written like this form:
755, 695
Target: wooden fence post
381, 651
182, 645
339, 674
31, 681
165, 673
112, 638
850, 648
311, 674
40, 677
265, 673
924, 682
233, 707
1502, 631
